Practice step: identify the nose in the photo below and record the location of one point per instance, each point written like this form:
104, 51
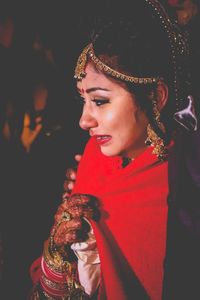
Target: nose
87, 120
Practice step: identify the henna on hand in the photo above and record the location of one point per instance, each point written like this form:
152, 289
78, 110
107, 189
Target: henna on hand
70, 224
75, 230
80, 205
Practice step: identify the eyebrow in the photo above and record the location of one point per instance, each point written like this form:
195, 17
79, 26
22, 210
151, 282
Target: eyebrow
93, 90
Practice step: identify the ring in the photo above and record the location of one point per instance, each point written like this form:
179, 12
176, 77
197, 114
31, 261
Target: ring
65, 216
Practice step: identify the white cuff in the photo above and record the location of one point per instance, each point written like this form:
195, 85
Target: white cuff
88, 263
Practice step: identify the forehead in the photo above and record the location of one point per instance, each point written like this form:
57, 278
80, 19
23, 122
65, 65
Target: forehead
95, 78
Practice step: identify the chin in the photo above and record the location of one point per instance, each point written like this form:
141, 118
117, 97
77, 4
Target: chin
109, 152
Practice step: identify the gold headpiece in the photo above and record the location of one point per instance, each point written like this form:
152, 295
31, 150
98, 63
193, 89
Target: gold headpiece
88, 51
178, 41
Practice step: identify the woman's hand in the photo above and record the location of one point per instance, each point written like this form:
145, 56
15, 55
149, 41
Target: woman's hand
70, 220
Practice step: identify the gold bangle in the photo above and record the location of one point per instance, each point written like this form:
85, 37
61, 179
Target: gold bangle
55, 263
53, 284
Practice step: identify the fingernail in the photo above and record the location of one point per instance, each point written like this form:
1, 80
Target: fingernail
70, 186
73, 176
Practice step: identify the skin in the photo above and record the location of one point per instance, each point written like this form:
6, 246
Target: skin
78, 207
111, 111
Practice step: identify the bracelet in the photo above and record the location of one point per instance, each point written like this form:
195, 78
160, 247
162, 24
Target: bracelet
54, 260
59, 279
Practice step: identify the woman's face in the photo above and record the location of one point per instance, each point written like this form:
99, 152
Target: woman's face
111, 115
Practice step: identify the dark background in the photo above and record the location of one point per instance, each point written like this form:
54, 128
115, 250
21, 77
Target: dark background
31, 184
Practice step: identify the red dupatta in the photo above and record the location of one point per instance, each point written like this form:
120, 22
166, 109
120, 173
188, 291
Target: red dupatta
131, 234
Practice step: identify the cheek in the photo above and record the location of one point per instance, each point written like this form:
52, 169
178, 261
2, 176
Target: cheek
127, 121
133, 125
110, 120
111, 116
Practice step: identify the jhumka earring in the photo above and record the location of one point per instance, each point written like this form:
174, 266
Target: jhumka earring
152, 137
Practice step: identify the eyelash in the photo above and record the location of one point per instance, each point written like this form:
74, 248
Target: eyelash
100, 102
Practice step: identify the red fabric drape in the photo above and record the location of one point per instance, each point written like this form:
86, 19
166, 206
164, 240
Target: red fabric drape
131, 233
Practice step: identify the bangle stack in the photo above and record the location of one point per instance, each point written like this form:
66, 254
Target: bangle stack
59, 279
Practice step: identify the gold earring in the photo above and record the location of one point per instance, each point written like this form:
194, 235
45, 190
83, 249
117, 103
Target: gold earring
154, 140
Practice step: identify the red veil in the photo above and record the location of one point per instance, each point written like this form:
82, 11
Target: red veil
131, 233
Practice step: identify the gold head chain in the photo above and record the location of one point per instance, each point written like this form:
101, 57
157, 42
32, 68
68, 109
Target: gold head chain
88, 51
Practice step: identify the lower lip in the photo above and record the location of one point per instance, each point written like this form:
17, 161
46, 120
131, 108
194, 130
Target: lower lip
103, 141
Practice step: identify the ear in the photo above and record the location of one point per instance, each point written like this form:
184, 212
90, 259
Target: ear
162, 95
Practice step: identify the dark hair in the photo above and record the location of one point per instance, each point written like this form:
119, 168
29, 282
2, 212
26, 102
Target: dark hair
139, 45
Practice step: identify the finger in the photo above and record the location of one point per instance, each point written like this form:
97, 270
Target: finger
57, 216
81, 205
79, 226
71, 231
68, 185
65, 238
65, 196
78, 157
94, 214
63, 206
78, 199
59, 212
76, 211
84, 211
93, 201
89, 213
71, 237
71, 225
83, 200
71, 174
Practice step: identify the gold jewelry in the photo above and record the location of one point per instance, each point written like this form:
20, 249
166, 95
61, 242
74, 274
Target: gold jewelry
88, 51
59, 279
53, 284
53, 258
154, 140
152, 137
65, 217
178, 42
57, 260
179, 48
56, 257
156, 116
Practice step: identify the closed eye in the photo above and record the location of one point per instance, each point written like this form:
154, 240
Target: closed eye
100, 102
